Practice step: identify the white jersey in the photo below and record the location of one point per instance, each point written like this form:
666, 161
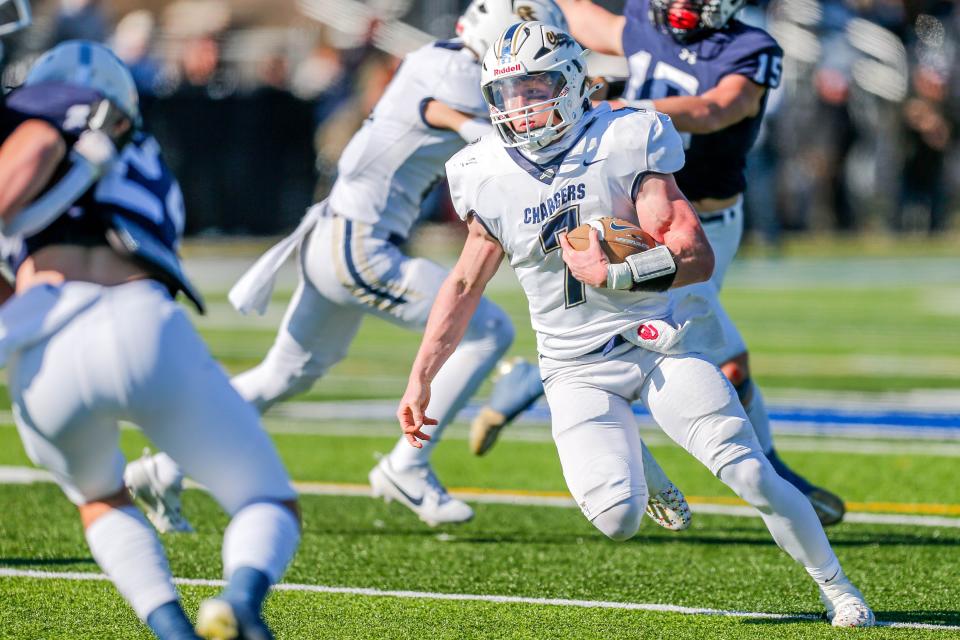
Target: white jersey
526, 206
396, 158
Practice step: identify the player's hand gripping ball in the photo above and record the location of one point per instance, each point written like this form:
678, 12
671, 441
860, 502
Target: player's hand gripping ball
618, 238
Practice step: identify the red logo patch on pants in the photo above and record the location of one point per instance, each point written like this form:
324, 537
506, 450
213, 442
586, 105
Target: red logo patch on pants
648, 332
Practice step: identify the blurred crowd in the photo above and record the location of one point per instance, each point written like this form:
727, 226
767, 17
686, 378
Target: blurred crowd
862, 135
253, 102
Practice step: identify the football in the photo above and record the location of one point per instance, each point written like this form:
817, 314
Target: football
618, 238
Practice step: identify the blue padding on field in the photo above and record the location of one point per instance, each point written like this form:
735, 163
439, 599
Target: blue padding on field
816, 416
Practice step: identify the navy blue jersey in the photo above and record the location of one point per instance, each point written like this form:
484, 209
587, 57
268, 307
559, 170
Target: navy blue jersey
136, 207
661, 67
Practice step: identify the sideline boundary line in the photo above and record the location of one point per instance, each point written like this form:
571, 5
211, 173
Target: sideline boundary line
936, 515
472, 597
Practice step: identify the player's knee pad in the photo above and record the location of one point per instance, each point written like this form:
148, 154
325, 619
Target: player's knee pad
492, 326
621, 521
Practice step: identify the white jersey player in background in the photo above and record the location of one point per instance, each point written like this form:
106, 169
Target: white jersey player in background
351, 264
607, 334
93, 336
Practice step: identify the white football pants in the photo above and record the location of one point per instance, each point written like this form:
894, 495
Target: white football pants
697, 407
134, 356
349, 269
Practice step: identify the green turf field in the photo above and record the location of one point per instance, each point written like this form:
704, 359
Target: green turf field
853, 335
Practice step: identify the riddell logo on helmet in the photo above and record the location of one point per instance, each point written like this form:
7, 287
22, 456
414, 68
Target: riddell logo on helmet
648, 332
505, 70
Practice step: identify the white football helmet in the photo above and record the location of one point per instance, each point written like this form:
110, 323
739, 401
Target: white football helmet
534, 81
485, 20
687, 20
89, 64
14, 15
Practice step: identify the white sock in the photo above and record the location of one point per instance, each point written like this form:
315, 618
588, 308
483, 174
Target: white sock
168, 472
262, 536
655, 476
830, 572
489, 336
127, 549
787, 514
757, 412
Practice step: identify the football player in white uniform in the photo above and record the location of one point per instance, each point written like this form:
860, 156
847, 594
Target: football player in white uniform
607, 334
693, 60
351, 263
93, 336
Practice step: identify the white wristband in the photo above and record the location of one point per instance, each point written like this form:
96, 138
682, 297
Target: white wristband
97, 148
641, 104
619, 276
473, 130
651, 264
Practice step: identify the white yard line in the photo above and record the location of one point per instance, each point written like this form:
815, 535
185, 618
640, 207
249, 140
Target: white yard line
499, 599
26, 475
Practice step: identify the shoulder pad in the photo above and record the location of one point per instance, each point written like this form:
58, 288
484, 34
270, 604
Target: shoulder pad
644, 141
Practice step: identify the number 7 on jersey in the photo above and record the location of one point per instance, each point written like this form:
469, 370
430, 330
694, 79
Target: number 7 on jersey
564, 221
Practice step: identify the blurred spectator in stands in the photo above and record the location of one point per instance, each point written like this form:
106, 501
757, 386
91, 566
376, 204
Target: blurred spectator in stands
132, 42
323, 78
335, 132
275, 181
198, 130
930, 125
79, 20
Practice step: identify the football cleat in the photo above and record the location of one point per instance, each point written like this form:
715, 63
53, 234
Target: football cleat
829, 506
157, 483
419, 490
220, 619
517, 388
845, 604
669, 509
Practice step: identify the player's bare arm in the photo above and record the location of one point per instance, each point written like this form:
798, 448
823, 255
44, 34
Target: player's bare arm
441, 116
667, 216
664, 212
28, 160
455, 304
594, 27
735, 98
